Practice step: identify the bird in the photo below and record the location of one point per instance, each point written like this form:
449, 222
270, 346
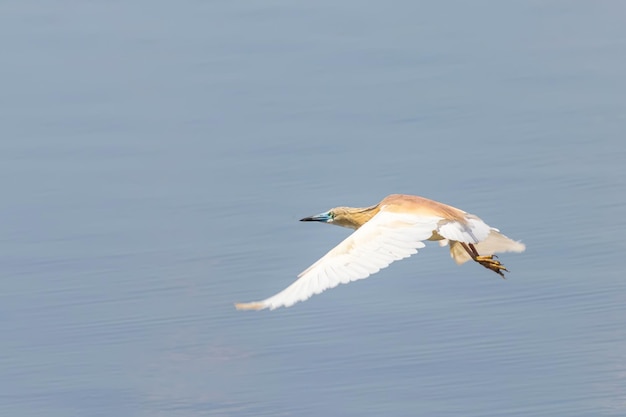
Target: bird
391, 230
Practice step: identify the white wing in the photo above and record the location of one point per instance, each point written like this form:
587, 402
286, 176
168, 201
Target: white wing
487, 240
474, 230
387, 237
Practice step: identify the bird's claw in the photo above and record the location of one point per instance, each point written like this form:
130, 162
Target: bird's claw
492, 264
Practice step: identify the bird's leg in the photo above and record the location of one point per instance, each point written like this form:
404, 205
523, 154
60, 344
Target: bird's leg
487, 261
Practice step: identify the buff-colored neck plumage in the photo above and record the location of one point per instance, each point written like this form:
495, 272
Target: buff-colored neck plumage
353, 218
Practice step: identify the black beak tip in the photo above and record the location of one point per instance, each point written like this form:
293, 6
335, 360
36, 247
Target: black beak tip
307, 219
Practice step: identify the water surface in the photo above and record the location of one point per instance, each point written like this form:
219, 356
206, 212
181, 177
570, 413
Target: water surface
157, 156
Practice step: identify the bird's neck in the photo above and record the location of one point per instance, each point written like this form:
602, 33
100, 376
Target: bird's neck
357, 217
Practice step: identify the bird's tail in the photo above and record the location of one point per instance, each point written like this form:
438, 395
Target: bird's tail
494, 243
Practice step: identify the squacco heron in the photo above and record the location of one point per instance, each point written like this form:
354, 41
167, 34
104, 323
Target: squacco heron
391, 230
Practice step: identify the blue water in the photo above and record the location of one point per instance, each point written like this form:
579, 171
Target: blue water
155, 158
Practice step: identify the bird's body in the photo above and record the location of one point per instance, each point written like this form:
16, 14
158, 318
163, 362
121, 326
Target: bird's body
388, 231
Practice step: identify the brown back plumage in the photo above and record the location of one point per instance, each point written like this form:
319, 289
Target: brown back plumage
353, 217
423, 206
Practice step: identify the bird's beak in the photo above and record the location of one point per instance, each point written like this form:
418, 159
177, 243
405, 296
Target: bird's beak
322, 217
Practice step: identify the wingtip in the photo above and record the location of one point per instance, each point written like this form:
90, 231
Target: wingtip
256, 305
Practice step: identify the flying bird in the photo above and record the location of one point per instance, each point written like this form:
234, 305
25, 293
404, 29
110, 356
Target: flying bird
391, 230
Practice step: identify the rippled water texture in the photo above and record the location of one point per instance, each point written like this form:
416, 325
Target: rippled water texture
156, 156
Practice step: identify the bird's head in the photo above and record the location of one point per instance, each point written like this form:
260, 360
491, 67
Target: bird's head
352, 218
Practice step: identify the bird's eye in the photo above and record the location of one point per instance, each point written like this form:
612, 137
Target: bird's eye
331, 215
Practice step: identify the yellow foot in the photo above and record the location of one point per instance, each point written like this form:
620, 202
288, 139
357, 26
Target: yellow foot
490, 263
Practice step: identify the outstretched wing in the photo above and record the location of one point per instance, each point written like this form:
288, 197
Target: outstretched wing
487, 240
387, 237
471, 230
